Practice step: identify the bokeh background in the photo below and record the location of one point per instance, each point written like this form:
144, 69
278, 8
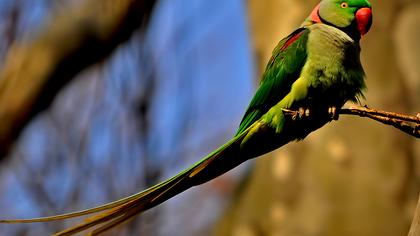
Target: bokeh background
176, 89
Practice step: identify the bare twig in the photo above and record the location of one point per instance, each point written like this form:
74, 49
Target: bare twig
406, 123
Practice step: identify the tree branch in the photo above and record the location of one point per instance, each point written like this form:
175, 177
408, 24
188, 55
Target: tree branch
34, 72
406, 123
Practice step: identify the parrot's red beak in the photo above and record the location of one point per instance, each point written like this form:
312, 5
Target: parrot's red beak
364, 20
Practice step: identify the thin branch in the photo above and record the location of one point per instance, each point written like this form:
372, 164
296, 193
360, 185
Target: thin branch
369, 111
406, 123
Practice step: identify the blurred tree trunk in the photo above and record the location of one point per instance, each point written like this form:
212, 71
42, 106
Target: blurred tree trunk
408, 56
354, 176
415, 225
35, 71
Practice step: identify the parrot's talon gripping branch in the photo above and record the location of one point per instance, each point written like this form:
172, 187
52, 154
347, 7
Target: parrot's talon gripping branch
302, 113
406, 123
334, 113
295, 115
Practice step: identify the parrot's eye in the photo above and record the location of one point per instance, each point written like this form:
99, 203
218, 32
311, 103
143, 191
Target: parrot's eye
344, 5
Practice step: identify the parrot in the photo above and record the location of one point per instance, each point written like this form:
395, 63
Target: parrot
314, 71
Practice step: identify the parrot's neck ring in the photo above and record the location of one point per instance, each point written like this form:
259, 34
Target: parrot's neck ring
315, 17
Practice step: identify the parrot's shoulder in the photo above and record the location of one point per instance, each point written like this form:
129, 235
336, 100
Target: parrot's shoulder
294, 42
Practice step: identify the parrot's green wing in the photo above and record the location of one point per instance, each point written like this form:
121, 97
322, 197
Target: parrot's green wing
282, 70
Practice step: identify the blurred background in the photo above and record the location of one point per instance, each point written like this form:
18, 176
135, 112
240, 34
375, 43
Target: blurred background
140, 104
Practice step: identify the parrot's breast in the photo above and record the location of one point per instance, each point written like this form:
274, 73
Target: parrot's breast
333, 66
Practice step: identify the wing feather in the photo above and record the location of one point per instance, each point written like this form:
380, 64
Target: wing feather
282, 70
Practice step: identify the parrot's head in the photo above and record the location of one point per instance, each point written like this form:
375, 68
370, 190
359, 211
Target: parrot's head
353, 16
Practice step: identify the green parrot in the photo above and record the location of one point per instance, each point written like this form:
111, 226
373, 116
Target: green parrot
314, 70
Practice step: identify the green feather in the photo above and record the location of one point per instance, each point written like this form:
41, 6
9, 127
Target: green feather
281, 72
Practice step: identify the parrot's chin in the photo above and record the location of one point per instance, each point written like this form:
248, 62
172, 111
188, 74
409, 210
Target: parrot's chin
364, 20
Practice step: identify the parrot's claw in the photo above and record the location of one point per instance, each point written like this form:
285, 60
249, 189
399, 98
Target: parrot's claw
302, 113
333, 113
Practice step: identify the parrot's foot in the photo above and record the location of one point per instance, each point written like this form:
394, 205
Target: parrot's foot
333, 113
302, 113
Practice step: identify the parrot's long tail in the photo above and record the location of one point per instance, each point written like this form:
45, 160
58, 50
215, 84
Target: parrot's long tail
220, 161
